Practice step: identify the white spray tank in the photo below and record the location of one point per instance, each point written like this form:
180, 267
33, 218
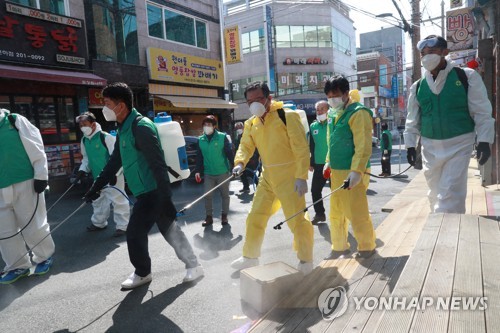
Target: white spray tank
173, 145
302, 114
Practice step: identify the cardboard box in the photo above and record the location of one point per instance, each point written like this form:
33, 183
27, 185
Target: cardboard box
262, 287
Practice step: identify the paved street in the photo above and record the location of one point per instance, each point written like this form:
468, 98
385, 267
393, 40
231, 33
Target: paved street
82, 293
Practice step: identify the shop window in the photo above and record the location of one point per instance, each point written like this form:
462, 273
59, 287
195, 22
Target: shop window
155, 21
5, 102
66, 113
201, 35
341, 41
24, 106
252, 41
52, 6
303, 36
46, 109
114, 31
297, 34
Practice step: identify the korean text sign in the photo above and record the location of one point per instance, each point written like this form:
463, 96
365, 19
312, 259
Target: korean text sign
165, 65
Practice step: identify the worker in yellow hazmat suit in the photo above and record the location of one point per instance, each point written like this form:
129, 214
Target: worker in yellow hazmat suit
281, 140
349, 151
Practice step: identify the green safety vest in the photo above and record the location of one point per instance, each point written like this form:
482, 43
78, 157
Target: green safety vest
139, 176
341, 138
318, 133
445, 115
97, 153
214, 158
389, 135
15, 165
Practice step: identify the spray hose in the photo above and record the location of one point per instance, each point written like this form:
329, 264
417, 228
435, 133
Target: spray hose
391, 176
182, 212
343, 186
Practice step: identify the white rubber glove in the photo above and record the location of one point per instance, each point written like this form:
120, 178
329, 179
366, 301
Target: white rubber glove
354, 179
237, 170
386, 152
300, 186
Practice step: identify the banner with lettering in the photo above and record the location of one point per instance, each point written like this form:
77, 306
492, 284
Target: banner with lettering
232, 45
166, 65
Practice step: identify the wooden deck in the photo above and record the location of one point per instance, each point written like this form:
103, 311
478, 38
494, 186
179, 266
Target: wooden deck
419, 254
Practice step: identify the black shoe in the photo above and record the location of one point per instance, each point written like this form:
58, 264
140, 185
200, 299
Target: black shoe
338, 254
318, 218
94, 228
208, 221
245, 189
365, 254
224, 219
119, 233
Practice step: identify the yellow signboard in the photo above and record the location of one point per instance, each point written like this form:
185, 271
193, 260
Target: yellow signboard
232, 45
165, 65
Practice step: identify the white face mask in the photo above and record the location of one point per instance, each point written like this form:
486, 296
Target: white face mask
257, 109
86, 130
239, 131
431, 61
109, 114
336, 102
321, 117
208, 130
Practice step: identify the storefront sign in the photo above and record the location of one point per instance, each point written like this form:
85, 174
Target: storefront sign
307, 104
31, 36
31, 12
302, 82
232, 45
384, 92
459, 29
394, 87
165, 65
95, 97
305, 61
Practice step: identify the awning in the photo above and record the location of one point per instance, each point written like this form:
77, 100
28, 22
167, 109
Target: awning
49, 75
198, 102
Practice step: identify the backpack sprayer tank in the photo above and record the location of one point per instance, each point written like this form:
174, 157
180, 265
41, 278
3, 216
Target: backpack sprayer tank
173, 145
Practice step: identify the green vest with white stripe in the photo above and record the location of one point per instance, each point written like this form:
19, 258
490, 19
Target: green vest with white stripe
15, 165
446, 115
97, 153
214, 158
342, 140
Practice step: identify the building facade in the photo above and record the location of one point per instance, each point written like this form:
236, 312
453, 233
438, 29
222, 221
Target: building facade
45, 73
293, 46
56, 56
168, 52
390, 43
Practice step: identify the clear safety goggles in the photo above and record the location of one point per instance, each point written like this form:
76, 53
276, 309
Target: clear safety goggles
432, 42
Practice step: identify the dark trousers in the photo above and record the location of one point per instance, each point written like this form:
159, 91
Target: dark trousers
248, 174
151, 208
318, 182
386, 162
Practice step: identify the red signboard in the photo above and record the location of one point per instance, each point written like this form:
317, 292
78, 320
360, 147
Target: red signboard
31, 36
95, 97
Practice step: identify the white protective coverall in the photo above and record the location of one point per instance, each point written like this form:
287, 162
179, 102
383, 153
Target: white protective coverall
445, 162
285, 157
18, 202
109, 196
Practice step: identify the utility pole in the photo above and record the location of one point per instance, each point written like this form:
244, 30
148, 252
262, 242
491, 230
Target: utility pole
415, 38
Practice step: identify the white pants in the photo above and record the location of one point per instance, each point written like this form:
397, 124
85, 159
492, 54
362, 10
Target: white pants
121, 208
17, 204
445, 165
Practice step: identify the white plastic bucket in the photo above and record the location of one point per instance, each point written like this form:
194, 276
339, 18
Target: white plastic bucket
173, 145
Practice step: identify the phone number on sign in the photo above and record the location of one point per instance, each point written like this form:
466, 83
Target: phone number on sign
21, 55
